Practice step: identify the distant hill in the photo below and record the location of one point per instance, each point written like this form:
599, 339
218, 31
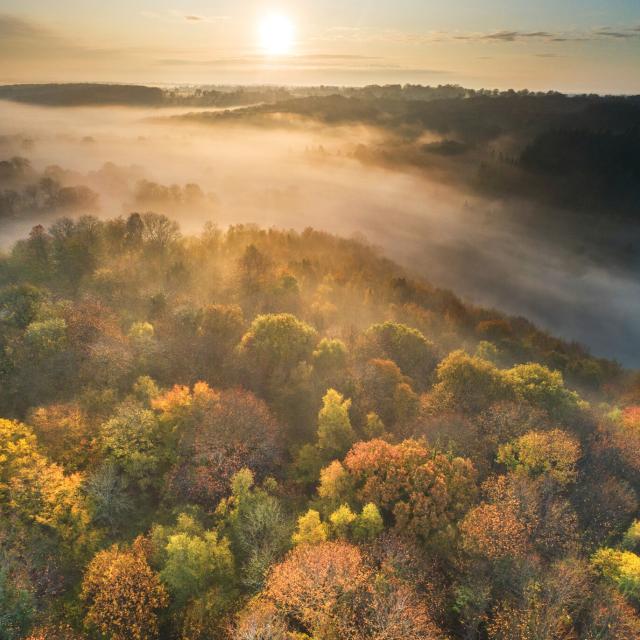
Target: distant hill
72, 95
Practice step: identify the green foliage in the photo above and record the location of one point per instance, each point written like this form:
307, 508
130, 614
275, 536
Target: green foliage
275, 344
194, 563
45, 337
133, 440
341, 521
330, 357
20, 305
17, 608
368, 524
407, 347
469, 384
259, 529
543, 388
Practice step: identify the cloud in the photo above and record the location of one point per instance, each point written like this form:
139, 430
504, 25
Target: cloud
174, 16
370, 34
512, 36
606, 32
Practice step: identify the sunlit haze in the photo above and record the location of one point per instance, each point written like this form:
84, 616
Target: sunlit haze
574, 46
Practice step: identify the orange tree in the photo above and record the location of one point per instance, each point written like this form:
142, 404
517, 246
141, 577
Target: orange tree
123, 595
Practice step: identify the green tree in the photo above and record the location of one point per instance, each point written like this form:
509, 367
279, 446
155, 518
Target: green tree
135, 441
194, 563
17, 608
408, 348
274, 345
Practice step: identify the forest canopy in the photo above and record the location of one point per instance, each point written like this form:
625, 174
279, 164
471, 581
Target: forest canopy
259, 433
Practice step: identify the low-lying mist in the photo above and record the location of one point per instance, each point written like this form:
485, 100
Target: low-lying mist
487, 251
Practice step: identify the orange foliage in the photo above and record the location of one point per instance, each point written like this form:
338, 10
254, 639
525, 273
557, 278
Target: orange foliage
123, 595
495, 531
307, 585
423, 490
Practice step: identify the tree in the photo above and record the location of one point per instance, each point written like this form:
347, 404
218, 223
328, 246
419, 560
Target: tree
123, 595
622, 568
19, 305
469, 384
135, 441
553, 454
220, 433
368, 524
336, 486
544, 388
259, 529
273, 346
220, 330
310, 530
17, 608
330, 358
307, 585
260, 620
65, 433
195, 563
495, 531
328, 590
408, 348
342, 520
385, 392
49, 504
422, 491
335, 434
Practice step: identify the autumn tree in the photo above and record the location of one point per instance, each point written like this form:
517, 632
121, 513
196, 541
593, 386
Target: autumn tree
386, 392
307, 585
469, 384
137, 444
273, 346
554, 454
123, 595
221, 432
257, 525
408, 348
422, 491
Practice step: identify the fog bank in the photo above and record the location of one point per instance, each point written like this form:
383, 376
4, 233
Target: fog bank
306, 177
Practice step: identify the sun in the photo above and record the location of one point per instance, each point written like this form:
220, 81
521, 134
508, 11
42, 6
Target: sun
276, 34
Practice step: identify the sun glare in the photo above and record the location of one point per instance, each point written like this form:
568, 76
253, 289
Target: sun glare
276, 34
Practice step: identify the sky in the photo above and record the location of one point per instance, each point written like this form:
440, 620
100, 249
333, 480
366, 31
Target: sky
566, 45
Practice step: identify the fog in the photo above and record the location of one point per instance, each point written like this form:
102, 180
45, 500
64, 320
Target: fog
486, 251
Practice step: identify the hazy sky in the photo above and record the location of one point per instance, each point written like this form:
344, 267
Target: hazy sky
570, 45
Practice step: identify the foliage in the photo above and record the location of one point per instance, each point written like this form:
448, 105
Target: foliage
264, 414
123, 595
423, 491
554, 454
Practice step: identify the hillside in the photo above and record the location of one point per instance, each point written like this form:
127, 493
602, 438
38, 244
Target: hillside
258, 433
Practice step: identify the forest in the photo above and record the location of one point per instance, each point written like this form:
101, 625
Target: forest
260, 434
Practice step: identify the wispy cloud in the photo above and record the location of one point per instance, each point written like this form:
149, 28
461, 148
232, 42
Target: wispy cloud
175, 16
370, 34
